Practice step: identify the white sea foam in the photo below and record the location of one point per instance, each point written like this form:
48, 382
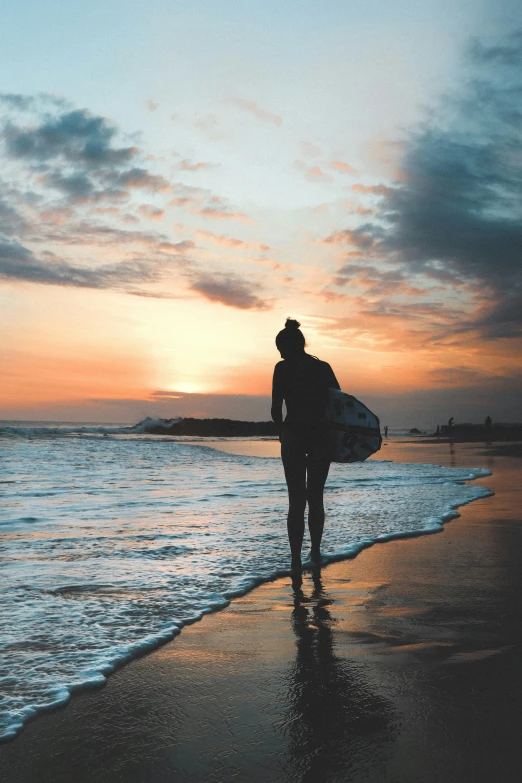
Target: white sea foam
110, 545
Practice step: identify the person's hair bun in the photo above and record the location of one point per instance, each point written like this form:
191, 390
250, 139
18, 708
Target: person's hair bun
291, 337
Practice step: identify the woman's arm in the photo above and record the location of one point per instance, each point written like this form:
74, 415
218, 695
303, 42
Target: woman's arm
277, 399
331, 380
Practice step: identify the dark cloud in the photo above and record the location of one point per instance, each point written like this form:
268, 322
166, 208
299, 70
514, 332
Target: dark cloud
78, 186
455, 215
11, 222
11, 253
91, 234
431, 312
457, 376
17, 101
364, 237
376, 281
73, 161
18, 263
70, 171
508, 53
141, 178
228, 290
76, 136
73, 151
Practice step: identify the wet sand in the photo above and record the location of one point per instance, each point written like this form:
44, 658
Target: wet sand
400, 665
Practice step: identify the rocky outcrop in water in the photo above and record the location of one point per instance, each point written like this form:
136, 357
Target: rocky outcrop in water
222, 428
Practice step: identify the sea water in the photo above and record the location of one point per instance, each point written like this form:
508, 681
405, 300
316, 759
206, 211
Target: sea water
112, 540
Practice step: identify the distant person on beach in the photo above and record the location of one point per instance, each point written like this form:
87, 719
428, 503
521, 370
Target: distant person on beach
386, 431
302, 381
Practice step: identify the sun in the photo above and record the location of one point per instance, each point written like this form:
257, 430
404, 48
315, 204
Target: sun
190, 387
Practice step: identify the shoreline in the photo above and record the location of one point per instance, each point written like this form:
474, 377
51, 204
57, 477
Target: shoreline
44, 750
152, 642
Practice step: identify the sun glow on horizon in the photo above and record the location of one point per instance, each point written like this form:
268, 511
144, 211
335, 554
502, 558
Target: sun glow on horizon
190, 387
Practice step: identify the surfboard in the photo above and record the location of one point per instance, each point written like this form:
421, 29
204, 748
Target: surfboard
355, 430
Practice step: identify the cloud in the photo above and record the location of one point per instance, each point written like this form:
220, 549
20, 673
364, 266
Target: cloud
72, 152
377, 190
448, 377
389, 324
17, 101
75, 186
453, 215
76, 136
57, 216
253, 108
344, 168
13, 252
508, 52
221, 213
230, 291
220, 241
310, 150
84, 233
364, 237
151, 212
376, 281
79, 187
203, 202
420, 311
208, 124
11, 222
22, 103
141, 178
224, 241
313, 173
187, 165
21, 264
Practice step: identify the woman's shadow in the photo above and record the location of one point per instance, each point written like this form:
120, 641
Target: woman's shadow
337, 724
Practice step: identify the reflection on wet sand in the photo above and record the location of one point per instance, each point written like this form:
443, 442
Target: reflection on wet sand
335, 720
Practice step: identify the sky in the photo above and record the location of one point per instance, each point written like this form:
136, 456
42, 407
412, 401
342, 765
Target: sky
177, 178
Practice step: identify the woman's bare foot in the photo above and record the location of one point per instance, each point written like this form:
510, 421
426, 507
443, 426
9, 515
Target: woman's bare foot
297, 580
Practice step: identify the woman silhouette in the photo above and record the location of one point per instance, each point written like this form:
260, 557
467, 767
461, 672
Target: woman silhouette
302, 381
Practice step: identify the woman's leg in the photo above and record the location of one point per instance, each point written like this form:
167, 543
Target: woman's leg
318, 465
294, 463
317, 475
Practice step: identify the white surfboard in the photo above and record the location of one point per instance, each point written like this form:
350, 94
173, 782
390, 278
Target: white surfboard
356, 432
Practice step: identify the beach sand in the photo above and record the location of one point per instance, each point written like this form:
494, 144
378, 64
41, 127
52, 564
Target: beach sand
403, 664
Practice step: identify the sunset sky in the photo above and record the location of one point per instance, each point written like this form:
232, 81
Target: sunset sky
179, 177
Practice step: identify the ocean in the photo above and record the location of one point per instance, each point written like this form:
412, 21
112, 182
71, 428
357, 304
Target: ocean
111, 540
